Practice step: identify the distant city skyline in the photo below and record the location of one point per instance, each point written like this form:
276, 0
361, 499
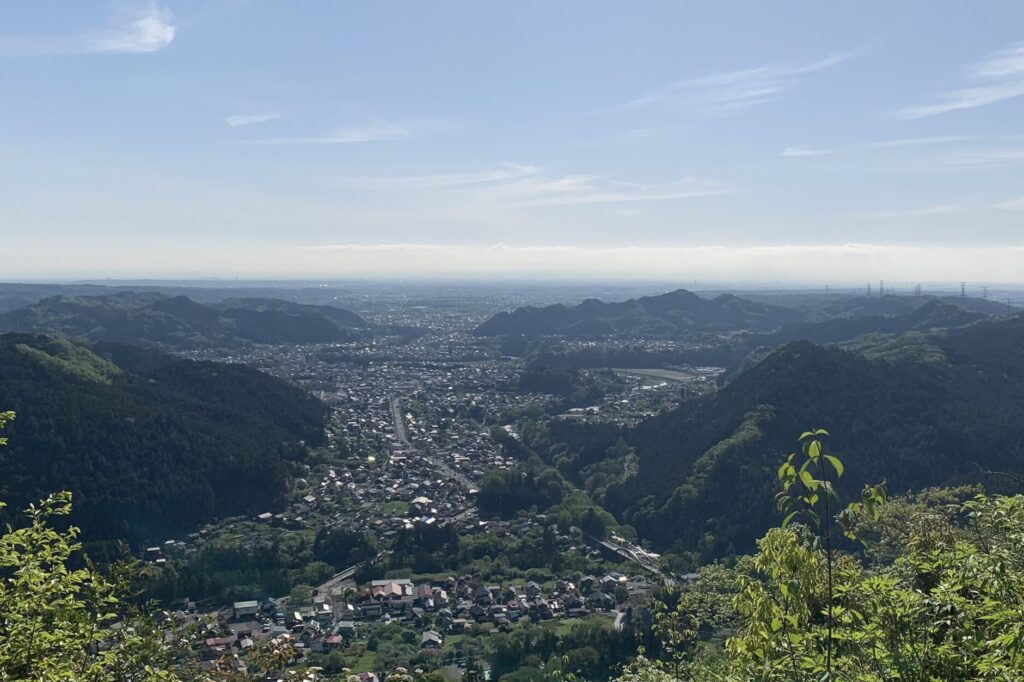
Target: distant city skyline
734, 141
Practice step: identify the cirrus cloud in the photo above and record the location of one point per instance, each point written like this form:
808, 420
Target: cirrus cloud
142, 30
239, 120
997, 78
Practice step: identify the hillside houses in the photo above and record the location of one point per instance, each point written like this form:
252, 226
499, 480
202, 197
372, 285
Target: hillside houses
435, 609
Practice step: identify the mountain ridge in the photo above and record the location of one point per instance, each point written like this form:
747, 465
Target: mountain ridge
671, 313
178, 322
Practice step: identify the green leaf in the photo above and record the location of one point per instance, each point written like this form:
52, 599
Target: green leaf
830, 492
836, 464
821, 432
789, 517
808, 480
806, 434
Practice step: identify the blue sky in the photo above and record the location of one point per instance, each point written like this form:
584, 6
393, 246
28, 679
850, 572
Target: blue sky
780, 141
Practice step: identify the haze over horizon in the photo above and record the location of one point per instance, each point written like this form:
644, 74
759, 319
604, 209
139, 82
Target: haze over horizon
843, 144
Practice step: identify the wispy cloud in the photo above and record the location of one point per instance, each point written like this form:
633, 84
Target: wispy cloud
868, 146
149, 30
340, 136
585, 190
938, 209
911, 142
507, 171
969, 98
1016, 204
542, 189
649, 133
999, 77
239, 120
735, 91
1006, 62
805, 151
991, 157
523, 185
146, 29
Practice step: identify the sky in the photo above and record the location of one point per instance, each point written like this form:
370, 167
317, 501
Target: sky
793, 142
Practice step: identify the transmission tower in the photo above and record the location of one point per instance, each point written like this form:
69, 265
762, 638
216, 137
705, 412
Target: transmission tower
984, 293
963, 289
917, 290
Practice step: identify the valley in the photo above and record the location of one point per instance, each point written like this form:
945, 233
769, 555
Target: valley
465, 487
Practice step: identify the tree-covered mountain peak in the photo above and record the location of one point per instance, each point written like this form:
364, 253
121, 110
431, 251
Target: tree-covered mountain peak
60, 355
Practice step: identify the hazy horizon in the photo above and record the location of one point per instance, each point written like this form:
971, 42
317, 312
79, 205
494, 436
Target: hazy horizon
789, 266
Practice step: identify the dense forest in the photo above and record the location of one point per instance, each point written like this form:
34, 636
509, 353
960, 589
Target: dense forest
909, 407
934, 314
148, 444
918, 410
179, 322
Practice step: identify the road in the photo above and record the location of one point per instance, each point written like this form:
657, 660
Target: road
402, 434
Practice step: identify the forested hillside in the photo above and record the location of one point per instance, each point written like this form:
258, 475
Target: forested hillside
147, 443
917, 411
651, 316
683, 313
932, 315
179, 322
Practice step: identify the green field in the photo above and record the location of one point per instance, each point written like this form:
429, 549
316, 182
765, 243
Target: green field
396, 508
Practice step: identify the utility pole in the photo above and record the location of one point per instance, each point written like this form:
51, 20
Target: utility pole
963, 289
881, 287
917, 290
869, 288
984, 293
